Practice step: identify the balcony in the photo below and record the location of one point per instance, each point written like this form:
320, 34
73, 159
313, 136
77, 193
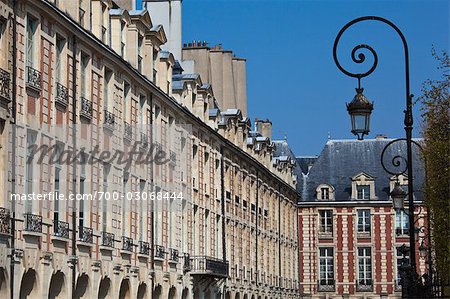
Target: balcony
62, 96
160, 252
5, 221
204, 265
326, 285
144, 248
33, 223
110, 121
173, 255
86, 235
5, 85
365, 285
107, 240
61, 229
127, 244
127, 132
85, 108
34, 79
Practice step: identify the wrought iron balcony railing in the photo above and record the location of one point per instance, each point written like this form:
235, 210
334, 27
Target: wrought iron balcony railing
127, 244
110, 120
160, 252
173, 255
326, 285
33, 223
85, 108
86, 235
144, 248
62, 95
108, 239
5, 221
144, 140
364, 285
127, 131
34, 78
205, 265
61, 229
5, 85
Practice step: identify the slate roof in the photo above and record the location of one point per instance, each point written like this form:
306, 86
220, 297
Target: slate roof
340, 160
282, 149
304, 162
178, 77
178, 85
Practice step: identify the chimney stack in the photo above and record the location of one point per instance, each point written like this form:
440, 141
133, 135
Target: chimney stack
264, 127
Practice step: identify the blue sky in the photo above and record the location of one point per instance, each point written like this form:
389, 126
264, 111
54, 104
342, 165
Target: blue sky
291, 75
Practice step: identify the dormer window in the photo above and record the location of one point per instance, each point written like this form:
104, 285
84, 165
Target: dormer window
363, 192
363, 187
325, 192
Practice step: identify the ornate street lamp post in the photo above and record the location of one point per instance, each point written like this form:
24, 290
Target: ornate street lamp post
360, 109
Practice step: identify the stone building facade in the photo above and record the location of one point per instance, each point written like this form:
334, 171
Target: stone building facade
350, 243
90, 72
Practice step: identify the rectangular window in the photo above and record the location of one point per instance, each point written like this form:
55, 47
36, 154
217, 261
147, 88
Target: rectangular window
31, 32
325, 193
81, 13
364, 266
3, 43
155, 57
57, 156
401, 223
126, 92
82, 191
141, 211
104, 25
139, 62
326, 222
60, 42
106, 169
364, 221
107, 78
124, 202
363, 192
31, 140
84, 75
326, 267
402, 260
122, 39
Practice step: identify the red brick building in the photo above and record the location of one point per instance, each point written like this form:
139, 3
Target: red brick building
349, 234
